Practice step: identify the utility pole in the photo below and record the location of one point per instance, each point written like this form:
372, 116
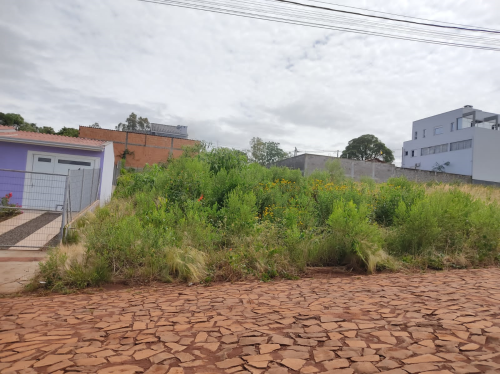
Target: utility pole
295, 152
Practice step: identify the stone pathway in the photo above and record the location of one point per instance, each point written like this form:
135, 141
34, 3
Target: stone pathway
437, 323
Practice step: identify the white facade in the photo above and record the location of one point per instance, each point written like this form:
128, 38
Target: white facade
467, 138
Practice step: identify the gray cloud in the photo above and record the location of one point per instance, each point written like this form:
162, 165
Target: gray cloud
229, 78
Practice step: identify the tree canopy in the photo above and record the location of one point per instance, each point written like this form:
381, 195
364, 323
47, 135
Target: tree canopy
68, 131
16, 120
367, 147
95, 126
11, 119
265, 153
134, 123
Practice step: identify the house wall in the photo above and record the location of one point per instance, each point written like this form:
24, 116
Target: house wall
460, 161
486, 156
145, 149
13, 156
107, 167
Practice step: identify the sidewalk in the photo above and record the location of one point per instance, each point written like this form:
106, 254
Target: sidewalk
16, 268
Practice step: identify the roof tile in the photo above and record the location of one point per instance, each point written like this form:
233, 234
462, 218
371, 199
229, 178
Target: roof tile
35, 136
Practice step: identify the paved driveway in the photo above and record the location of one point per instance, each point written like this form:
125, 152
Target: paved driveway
439, 323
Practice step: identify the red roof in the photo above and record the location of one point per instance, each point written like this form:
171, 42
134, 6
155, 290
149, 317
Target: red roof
8, 133
4, 128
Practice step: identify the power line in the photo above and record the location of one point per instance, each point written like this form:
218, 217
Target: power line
287, 15
398, 15
351, 21
387, 18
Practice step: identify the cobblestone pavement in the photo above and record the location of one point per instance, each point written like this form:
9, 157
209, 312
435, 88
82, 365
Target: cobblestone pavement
445, 322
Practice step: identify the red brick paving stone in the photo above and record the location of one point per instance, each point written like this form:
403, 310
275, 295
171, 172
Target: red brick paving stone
417, 368
277, 339
176, 371
160, 357
336, 364
18, 356
60, 366
119, 359
90, 361
323, 355
122, 369
422, 359
229, 363
277, 370
469, 347
169, 337
23, 365
253, 340
293, 363
369, 358
416, 310
184, 357
146, 353
157, 369
51, 360
364, 368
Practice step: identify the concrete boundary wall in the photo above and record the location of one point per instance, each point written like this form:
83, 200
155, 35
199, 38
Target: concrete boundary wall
380, 172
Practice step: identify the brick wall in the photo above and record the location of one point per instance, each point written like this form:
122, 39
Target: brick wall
144, 149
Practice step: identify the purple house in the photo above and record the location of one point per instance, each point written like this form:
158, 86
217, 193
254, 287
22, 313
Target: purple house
33, 166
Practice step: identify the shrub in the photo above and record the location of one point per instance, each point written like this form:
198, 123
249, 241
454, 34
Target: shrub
210, 215
336, 171
351, 239
389, 196
6, 208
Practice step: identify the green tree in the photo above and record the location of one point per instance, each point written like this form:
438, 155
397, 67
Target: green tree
46, 130
11, 119
265, 153
134, 123
30, 127
95, 126
68, 131
367, 147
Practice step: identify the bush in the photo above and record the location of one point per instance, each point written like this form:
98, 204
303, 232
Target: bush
6, 208
352, 238
209, 215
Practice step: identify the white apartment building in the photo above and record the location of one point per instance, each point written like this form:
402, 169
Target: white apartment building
466, 138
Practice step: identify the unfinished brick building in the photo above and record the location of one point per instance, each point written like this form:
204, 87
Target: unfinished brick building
142, 148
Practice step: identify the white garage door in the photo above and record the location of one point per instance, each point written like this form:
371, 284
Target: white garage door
46, 191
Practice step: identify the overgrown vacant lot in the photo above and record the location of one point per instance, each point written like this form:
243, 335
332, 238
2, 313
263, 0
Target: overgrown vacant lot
445, 322
211, 216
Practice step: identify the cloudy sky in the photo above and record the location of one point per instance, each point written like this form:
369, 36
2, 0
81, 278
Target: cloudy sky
71, 63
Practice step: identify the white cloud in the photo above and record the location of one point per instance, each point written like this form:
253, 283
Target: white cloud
230, 78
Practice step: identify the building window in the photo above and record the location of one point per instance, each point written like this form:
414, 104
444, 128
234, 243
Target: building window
423, 134
466, 121
464, 144
438, 130
451, 126
71, 162
415, 137
406, 153
412, 153
433, 150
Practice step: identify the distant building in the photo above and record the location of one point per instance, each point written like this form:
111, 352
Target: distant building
464, 141
169, 131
